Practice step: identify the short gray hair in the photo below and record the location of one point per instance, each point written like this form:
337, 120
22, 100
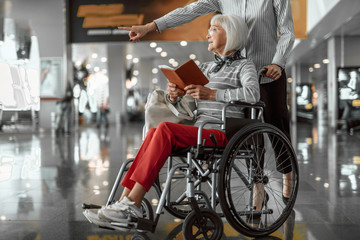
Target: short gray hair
236, 31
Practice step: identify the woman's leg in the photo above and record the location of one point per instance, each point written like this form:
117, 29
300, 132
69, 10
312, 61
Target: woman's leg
274, 95
156, 148
137, 194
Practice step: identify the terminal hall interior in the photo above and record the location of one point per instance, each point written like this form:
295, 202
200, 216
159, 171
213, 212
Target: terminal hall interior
73, 91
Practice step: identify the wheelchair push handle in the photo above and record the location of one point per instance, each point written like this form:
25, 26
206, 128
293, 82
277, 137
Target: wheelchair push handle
261, 72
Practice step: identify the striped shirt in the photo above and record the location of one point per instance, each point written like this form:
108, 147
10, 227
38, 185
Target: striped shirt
237, 82
263, 17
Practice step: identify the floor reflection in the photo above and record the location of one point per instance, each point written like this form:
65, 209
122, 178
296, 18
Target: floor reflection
45, 178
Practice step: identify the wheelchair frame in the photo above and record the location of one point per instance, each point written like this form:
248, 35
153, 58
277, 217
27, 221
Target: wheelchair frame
213, 157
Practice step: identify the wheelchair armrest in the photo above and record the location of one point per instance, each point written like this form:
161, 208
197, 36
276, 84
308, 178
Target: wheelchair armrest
259, 104
199, 137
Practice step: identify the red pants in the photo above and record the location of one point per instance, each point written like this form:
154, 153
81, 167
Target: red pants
158, 145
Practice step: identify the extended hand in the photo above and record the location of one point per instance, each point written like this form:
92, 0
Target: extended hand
137, 32
273, 71
174, 92
200, 92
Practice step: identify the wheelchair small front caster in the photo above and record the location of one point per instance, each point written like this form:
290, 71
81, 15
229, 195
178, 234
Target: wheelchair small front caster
208, 226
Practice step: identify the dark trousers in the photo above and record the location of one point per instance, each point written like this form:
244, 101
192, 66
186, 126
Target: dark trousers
274, 96
102, 117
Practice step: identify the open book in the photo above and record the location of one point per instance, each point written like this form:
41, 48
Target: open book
186, 74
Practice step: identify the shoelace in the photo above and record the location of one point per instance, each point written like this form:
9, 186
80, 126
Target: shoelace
123, 205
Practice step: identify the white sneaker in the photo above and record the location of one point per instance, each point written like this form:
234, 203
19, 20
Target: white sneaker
106, 223
120, 211
94, 218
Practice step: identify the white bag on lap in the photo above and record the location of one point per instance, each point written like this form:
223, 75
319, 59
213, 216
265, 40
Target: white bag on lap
158, 110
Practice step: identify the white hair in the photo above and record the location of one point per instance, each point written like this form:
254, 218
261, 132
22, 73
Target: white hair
236, 31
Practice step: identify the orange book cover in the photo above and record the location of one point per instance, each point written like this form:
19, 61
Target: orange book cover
186, 74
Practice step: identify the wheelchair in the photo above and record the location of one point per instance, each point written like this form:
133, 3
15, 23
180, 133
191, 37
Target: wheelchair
204, 184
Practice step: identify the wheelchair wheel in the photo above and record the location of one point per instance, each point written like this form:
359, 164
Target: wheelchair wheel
254, 160
208, 227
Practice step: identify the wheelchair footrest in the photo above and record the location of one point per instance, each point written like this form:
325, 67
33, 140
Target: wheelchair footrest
137, 223
145, 225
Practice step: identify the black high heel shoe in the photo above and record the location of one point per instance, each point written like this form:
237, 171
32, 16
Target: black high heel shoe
285, 199
256, 216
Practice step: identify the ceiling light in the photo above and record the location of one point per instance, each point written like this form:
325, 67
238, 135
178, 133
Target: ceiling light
136, 72
94, 55
153, 44
155, 70
171, 60
192, 56
175, 64
88, 66
154, 80
163, 54
135, 60
311, 69
158, 49
317, 65
96, 69
103, 59
183, 43
326, 185
289, 80
129, 57
197, 62
325, 61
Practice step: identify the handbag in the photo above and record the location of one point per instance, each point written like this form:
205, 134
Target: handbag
158, 109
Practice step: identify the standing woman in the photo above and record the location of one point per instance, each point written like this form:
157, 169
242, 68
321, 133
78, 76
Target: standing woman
270, 41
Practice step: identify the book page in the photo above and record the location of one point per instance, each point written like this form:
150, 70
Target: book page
166, 67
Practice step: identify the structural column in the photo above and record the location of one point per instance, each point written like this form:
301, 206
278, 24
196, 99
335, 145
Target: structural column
117, 88
332, 84
296, 78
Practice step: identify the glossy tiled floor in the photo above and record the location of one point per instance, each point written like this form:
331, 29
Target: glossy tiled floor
44, 180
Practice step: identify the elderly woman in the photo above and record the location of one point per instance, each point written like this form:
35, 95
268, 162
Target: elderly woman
231, 78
